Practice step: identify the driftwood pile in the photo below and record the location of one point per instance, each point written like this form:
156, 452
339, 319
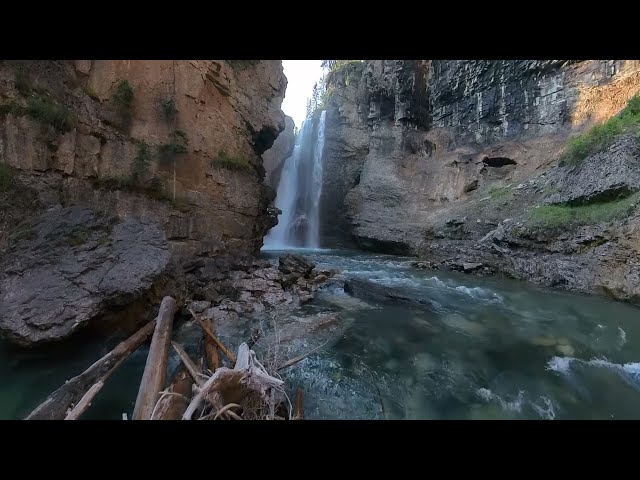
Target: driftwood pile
203, 390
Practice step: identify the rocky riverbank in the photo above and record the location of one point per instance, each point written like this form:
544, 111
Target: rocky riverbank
458, 163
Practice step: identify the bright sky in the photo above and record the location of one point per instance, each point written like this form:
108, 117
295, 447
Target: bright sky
301, 75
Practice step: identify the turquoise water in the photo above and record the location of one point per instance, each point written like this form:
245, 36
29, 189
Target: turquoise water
489, 349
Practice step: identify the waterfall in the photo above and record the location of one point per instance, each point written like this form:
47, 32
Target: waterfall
299, 191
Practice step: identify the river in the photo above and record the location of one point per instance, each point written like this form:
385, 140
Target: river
489, 348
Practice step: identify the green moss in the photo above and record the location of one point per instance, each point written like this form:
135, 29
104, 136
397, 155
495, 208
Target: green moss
223, 160
104, 239
154, 189
601, 136
141, 162
79, 236
45, 109
23, 233
123, 100
177, 144
563, 216
169, 109
499, 192
6, 177
48, 111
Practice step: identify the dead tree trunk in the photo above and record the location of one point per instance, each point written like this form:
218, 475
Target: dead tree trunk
298, 414
211, 335
174, 404
191, 367
155, 371
55, 407
211, 349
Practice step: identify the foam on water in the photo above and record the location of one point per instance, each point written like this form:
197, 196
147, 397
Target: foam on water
560, 364
514, 406
479, 293
622, 338
628, 371
546, 411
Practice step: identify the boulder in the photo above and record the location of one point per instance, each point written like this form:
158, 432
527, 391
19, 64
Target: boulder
470, 266
198, 306
70, 266
290, 263
607, 175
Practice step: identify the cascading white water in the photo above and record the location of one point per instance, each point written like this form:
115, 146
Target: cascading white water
313, 233
299, 191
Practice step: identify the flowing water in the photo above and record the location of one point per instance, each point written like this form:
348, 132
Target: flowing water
299, 190
490, 348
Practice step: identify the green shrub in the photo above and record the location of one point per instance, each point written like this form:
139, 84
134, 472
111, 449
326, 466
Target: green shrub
48, 111
563, 216
169, 109
231, 163
123, 99
177, 144
6, 177
140, 162
602, 135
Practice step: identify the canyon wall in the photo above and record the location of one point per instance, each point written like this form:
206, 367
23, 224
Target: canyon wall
118, 177
218, 108
419, 152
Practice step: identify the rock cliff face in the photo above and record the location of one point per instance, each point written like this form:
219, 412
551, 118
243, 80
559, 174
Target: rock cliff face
187, 113
273, 159
414, 148
170, 150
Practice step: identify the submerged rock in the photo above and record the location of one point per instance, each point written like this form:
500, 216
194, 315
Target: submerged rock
379, 293
73, 266
566, 350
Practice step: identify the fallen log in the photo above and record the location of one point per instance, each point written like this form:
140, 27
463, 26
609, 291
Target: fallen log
233, 385
298, 415
56, 406
173, 405
155, 370
218, 343
211, 349
191, 367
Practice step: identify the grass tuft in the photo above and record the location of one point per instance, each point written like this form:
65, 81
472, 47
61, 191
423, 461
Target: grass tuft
601, 136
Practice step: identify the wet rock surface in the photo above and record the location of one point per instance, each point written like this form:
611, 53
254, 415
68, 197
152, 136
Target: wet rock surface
70, 266
233, 292
450, 160
367, 290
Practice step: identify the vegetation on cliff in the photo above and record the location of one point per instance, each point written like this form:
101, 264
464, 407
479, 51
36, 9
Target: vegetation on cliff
230, 162
602, 135
563, 216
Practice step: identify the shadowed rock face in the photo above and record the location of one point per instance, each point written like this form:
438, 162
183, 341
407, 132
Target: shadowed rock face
72, 265
273, 159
